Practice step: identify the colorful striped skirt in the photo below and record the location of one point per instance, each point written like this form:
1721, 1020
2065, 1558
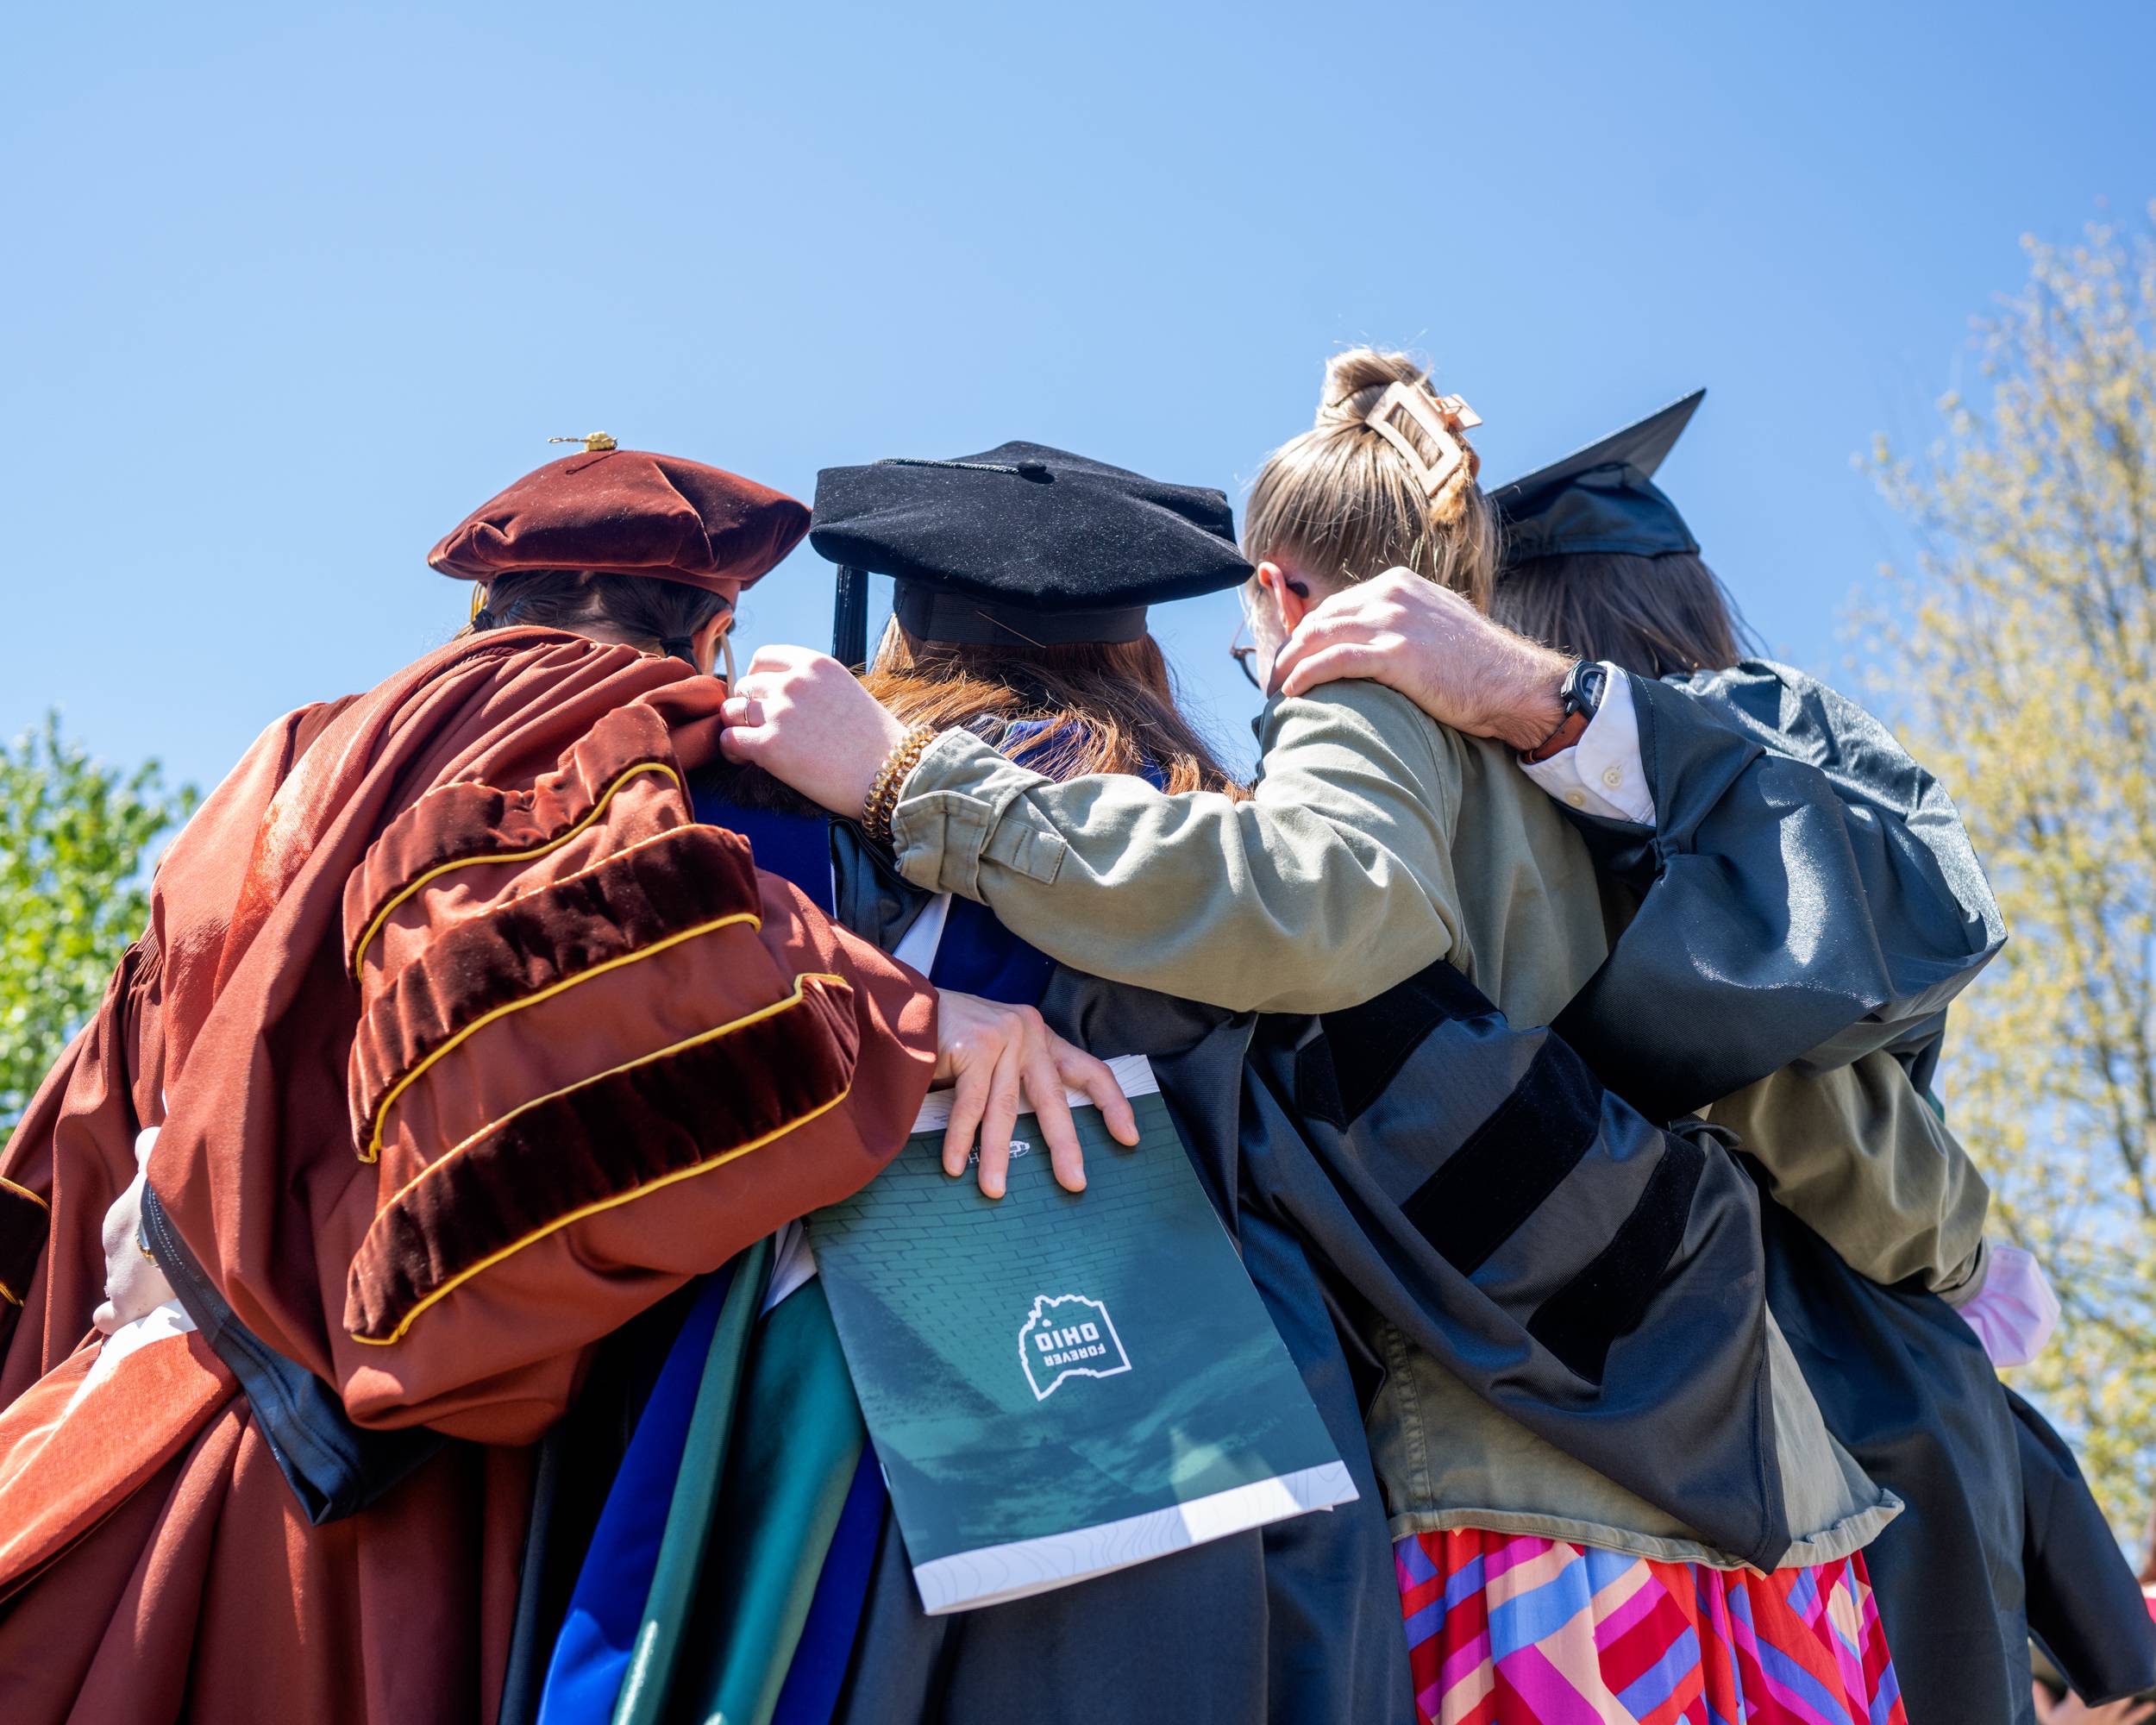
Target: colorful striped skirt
1505, 1629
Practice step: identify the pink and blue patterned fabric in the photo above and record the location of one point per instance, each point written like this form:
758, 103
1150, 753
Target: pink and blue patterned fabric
1509, 1629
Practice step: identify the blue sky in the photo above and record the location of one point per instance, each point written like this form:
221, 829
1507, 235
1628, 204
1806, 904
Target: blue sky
292, 288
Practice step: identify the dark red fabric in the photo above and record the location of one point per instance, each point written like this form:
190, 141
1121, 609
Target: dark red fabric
75, 1142
629, 511
205, 1593
468, 819
684, 1115
683, 879
22, 1214
207, 1597
526, 728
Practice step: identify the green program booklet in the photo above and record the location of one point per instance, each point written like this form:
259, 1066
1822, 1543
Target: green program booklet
1058, 1385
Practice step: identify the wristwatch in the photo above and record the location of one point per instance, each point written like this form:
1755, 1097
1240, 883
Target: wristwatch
1580, 695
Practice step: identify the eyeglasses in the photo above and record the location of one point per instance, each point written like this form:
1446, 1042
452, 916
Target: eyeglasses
1245, 655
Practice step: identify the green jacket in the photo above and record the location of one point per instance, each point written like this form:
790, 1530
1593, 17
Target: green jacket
1861, 1159
1377, 843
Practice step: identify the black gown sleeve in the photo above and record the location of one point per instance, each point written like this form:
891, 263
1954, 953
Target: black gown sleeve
2085, 1606
1807, 895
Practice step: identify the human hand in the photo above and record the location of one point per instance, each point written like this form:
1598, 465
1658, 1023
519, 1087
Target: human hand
805, 719
2071, 1709
1435, 648
134, 1286
997, 1053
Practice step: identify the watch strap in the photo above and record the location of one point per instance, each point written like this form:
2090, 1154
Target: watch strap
1579, 695
1571, 728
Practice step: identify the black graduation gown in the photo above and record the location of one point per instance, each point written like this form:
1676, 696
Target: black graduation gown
1807, 895
1298, 1621
1317, 1139
1999, 1535
1902, 1382
2086, 1607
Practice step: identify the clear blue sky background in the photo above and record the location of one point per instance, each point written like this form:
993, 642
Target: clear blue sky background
291, 288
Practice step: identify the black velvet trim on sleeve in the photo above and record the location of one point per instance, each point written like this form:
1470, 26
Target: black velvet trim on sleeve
1365, 1046
1607, 1298
1514, 1160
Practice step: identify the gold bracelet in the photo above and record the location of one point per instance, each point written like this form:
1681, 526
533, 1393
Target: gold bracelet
880, 783
897, 769
882, 801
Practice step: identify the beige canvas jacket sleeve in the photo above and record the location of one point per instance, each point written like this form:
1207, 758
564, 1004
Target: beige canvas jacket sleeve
1340, 878
1863, 1160
1333, 882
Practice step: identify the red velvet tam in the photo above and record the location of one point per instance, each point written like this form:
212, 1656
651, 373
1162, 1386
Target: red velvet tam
632, 513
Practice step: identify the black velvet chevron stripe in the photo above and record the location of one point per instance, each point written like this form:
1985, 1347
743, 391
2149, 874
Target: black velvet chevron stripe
1583, 1320
1364, 1047
1514, 1160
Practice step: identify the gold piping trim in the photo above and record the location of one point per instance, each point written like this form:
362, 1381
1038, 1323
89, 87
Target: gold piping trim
786, 1003
8, 1294
371, 1149
27, 1192
650, 841
598, 808
635, 1192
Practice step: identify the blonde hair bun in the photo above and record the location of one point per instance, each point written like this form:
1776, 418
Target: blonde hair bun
1343, 502
1354, 379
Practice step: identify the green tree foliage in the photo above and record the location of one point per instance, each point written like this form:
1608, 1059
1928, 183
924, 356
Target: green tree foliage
73, 891
2024, 657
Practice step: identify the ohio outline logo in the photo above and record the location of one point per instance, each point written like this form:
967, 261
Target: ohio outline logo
1068, 1335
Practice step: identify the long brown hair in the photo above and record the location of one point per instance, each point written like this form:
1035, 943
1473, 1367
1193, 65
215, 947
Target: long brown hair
1652, 616
1104, 706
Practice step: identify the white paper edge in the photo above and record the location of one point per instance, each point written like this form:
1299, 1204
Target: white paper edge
793, 1265
1133, 1074
968, 1580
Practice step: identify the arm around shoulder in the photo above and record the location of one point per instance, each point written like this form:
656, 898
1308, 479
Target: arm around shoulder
1859, 1157
1330, 884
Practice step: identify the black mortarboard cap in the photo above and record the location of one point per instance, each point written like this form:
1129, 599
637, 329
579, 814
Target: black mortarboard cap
1022, 543
1601, 498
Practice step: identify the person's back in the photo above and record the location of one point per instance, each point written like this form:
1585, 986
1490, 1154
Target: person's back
411, 945
1039, 670
1340, 502
1044, 661
1341, 878
1600, 565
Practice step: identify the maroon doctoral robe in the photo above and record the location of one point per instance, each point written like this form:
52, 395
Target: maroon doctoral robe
465, 1043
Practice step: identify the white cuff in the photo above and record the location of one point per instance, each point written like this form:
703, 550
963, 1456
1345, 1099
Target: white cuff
2016, 1311
161, 1323
1600, 773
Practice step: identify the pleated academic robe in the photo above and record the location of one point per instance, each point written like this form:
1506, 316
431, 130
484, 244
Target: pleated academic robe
466, 1044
